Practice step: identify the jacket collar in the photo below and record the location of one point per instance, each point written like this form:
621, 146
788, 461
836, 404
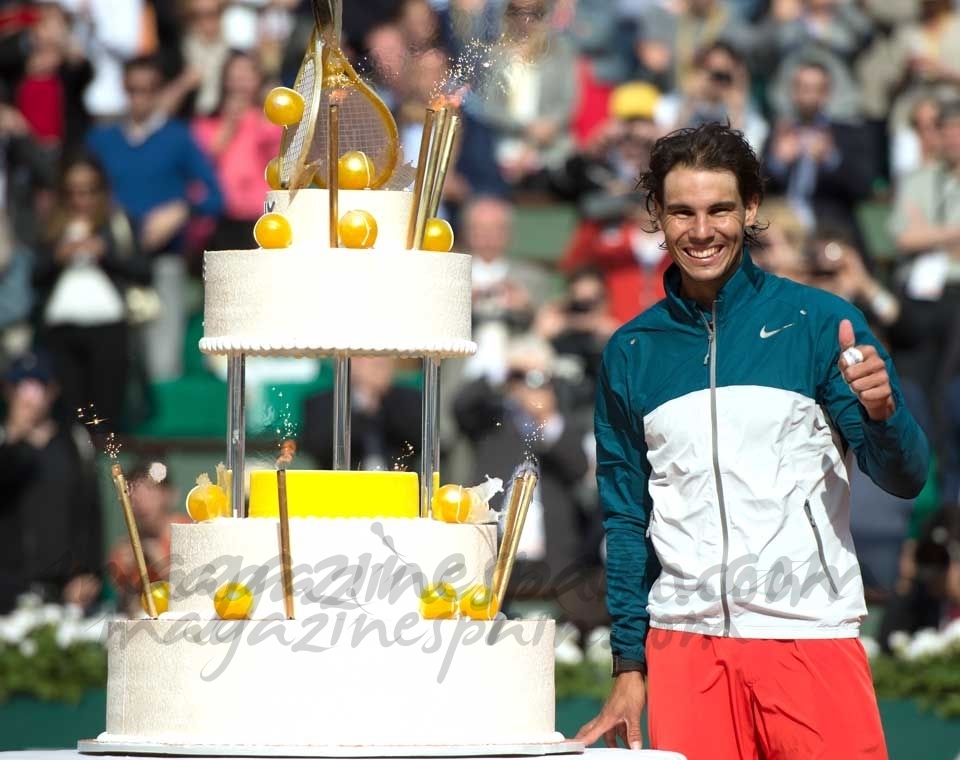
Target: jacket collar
741, 289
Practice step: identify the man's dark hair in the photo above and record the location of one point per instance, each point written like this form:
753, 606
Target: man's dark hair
147, 62
714, 147
812, 63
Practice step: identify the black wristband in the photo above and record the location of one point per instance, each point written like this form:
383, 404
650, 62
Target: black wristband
623, 665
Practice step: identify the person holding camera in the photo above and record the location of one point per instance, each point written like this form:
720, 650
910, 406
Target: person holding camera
578, 327
718, 91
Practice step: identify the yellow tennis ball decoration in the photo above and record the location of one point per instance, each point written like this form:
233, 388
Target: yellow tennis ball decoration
478, 603
206, 500
451, 503
355, 171
272, 173
273, 231
438, 601
357, 229
283, 106
233, 601
437, 235
160, 591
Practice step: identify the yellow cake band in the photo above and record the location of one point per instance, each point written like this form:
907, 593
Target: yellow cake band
337, 493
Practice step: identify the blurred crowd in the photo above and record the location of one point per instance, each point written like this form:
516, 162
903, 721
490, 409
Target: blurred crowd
132, 138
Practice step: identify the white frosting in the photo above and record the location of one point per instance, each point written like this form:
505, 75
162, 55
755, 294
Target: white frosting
312, 682
306, 300
376, 567
308, 213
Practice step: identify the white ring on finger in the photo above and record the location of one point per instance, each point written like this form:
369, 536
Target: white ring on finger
851, 356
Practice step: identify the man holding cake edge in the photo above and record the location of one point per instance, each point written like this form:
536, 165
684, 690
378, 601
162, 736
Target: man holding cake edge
727, 419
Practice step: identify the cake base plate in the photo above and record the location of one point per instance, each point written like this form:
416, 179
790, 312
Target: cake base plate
97, 747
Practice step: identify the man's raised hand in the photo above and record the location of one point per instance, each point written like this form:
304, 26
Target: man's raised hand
865, 372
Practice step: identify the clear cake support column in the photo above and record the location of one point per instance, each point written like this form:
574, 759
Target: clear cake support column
429, 433
341, 413
236, 431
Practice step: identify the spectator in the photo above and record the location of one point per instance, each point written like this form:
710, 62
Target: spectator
197, 90
113, 32
926, 226
88, 259
153, 498
782, 248
578, 327
523, 418
506, 293
385, 421
51, 74
50, 513
613, 234
16, 293
718, 90
921, 59
824, 167
829, 32
918, 144
239, 141
26, 175
671, 35
159, 176
531, 96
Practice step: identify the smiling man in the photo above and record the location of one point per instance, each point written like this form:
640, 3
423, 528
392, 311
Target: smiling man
727, 419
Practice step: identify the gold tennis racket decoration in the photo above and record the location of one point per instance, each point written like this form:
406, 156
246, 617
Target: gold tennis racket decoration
293, 172
366, 124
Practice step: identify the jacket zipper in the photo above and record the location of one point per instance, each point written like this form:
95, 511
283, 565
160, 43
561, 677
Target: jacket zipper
819, 540
711, 357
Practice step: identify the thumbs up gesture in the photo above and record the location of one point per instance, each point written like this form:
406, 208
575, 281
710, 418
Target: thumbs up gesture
865, 372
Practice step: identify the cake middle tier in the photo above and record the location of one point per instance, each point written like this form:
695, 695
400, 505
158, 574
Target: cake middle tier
312, 300
374, 566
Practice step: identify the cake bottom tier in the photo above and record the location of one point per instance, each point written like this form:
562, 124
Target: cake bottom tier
331, 679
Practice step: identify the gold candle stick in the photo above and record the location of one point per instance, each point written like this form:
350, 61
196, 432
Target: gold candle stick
520, 499
124, 494
287, 451
333, 179
426, 136
430, 175
447, 142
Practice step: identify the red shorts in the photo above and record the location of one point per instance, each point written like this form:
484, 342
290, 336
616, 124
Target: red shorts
714, 698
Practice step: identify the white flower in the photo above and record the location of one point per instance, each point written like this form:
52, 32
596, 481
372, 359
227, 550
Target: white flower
568, 653
50, 614
925, 644
952, 632
72, 612
870, 646
28, 647
899, 641
28, 601
67, 633
14, 628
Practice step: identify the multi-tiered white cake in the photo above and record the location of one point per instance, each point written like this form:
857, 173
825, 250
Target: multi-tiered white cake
359, 669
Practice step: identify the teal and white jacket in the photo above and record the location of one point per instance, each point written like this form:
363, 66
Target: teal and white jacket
724, 445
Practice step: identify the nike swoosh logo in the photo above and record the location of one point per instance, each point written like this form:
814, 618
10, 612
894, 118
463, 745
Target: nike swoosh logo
764, 333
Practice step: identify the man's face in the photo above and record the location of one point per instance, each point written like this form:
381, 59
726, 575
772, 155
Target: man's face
811, 91
487, 229
703, 220
950, 139
143, 87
